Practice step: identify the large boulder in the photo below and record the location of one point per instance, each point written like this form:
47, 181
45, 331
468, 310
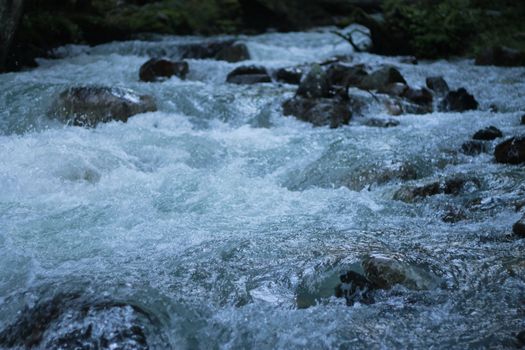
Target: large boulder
333, 112
511, 151
488, 134
236, 52
10, 14
501, 56
381, 79
249, 75
458, 101
345, 75
289, 75
315, 84
157, 69
90, 105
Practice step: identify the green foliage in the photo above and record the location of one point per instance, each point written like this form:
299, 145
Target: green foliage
432, 28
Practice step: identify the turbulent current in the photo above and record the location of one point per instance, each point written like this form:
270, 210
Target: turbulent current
203, 225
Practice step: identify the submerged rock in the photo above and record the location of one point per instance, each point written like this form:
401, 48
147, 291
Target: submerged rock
511, 151
385, 272
450, 186
73, 321
249, 75
501, 56
90, 105
333, 112
381, 79
409, 194
438, 85
355, 287
381, 123
519, 227
458, 101
315, 84
488, 134
290, 75
473, 148
160, 69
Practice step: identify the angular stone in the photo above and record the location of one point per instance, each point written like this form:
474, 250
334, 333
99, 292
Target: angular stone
320, 112
488, 134
438, 85
315, 84
458, 101
511, 151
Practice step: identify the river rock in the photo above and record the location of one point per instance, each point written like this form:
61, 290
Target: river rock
290, 75
380, 79
419, 96
458, 184
521, 338
90, 105
409, 194
227, 50
488, 134
345, 75
385, 272
333, 112
236, 52
160, 69
438, 85
381, 122
249, 75
523, 119
511, 151
458, 101
473, 148
501, 56
71, 321
315, 84
355, 287
519, 227
10, 14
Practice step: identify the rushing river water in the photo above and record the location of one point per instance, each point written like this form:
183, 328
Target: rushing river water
198, 226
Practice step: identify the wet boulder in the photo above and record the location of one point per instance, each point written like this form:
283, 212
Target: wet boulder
74, 321
90, 105
501, 56
522, 119
290, 75
409, 194
418, 96
458, 184
227, 50
474, 148
315, 84
521, 338
249, 75
380, 79
160, 69
385, 272
381, 122
236, 52
438, 85
488, 134
511, 151
344, 75
333, 112
519, 227
458, 101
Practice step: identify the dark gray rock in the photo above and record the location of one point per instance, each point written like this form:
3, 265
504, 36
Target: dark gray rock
501, 56
511, 151
249, 75
474, 148
458, 101
418, 96
157, 69
90, 105
409, 194
227, 50
521, 338
236, 52
523, 119
381, 123
333, 112
438, 85
488, 134
10, 14
343, 75
290, 75
380, 79
355, 287
519, 227
458, 184
315, 84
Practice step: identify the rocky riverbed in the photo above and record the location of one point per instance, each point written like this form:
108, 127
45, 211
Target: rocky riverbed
274, 191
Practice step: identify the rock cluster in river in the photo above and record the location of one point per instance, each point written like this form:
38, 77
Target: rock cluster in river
450, 186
